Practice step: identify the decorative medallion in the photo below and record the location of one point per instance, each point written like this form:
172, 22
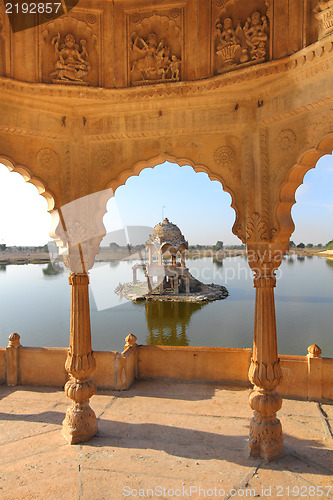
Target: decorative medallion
287, 139
224, 156
104, 159
47, 159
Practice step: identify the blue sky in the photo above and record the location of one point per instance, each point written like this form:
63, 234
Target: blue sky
191, 200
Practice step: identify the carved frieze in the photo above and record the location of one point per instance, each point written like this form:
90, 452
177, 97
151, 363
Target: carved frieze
324, 16
155, 48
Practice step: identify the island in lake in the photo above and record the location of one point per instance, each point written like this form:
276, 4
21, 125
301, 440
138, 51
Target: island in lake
171, 280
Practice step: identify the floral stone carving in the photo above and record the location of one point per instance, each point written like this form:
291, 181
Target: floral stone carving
72, 63
243, 45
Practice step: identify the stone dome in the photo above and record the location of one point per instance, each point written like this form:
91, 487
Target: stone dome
165, 234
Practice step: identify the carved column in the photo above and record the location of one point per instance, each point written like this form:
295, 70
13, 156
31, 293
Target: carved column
78, 230
266, 439
80, 423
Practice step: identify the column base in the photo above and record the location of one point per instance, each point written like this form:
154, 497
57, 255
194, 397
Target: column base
79, 425
266, 438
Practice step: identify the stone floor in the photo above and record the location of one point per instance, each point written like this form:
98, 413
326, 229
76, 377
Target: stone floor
159, 440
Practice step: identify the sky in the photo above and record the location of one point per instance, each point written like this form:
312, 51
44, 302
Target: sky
191, 200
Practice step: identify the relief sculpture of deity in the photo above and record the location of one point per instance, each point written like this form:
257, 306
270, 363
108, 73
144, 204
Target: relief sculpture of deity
255, 30
72, 60
154, 62
242, 45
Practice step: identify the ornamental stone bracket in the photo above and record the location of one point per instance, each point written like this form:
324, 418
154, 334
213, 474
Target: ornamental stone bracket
78, 230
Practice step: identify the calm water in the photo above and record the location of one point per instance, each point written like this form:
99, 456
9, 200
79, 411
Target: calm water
36, 304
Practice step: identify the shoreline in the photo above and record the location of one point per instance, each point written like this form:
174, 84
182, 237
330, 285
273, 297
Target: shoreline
21, 258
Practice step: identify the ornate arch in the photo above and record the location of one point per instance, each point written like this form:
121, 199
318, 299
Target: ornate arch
182, 162
306, 162
25, 173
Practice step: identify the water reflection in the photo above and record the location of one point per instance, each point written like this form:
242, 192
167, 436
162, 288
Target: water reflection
53, 269
168, 322
329, 262
301, 258
114, 263
3, 267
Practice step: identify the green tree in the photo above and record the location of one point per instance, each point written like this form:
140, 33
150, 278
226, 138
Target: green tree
218, 246
301, 245
309, 245
329, 245
291, 244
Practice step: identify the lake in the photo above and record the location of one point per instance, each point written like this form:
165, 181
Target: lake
36, 304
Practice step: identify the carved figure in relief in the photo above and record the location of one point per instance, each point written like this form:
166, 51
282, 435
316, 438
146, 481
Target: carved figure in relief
174, 67
72, 60
255, 31
243, 44
228, 47
154, 62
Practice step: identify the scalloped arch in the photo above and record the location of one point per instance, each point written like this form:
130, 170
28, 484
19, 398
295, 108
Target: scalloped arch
306, 162
182, 162
24, 172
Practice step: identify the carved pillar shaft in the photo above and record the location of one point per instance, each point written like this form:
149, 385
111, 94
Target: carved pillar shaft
266, 439
80, 423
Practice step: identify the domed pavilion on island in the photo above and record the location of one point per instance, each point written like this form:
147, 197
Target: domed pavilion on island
168, 278
174, 277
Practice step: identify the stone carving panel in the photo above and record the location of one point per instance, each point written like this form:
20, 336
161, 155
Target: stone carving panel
324, 16
72, 60
155, 48
70, 53
240, 41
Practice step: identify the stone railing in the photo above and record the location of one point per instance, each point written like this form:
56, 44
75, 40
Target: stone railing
304, 377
